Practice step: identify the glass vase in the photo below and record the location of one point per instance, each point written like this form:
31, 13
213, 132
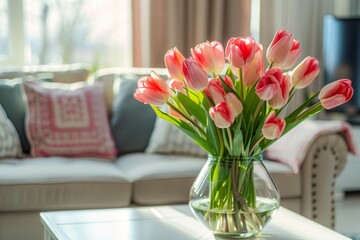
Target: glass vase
234, 197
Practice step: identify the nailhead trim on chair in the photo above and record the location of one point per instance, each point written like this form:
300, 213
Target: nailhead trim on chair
333, 212
313, 184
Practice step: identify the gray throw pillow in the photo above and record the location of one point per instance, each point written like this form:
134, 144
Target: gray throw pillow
11, 98
9, 139
132, 122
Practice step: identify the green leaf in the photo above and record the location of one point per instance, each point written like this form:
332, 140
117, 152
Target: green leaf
230, 73
251, 102
238, 142
213, 137
193, 108
226, 141
195, 96
297, 111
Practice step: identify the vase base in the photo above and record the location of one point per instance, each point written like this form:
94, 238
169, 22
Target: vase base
233, 236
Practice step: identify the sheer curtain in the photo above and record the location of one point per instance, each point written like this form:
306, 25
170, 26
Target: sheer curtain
159, 25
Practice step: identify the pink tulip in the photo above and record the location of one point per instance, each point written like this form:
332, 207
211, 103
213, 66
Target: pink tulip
196, 78
216, 91
293, 55
221, 115
234, 104
283, 50
282, 95
253, 71
173, 62
210, 55
240, 51
152, 90
305, 73
273, 127
177, 85
336, 93
269, 84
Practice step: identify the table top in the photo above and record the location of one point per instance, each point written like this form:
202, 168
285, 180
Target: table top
166, 222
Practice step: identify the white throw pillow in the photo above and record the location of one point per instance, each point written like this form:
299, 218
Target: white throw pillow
9, 139
168, 139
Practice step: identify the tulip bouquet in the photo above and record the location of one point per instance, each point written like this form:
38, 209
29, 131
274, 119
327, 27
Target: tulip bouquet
238, 113
234, 108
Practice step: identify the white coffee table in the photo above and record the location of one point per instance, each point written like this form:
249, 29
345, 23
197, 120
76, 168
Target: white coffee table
165, 222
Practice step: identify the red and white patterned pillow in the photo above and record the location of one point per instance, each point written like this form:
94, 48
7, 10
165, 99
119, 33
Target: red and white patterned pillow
67, 120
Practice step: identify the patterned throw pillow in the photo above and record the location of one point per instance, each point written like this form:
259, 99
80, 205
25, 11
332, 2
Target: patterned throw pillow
9, 139
168, 139
67, 120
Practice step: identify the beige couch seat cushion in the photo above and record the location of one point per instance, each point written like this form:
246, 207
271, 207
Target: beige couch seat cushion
38, 184
286, 180
166, 179
160, 179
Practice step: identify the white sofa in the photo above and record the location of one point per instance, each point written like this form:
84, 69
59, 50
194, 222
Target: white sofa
31, 185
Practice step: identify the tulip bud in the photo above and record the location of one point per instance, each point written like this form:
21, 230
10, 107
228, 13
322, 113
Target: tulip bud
196, 78
173, 61
273, 127
240, 51
269, 84
177, 85
336, 93
152, 90
293, 55
234, 104
221, 115
216, 91
253, 71
305, 73
283, 50
210, 56
282, 95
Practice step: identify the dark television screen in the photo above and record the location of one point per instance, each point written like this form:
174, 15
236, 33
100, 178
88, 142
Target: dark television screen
341, 55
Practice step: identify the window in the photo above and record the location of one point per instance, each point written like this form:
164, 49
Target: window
4, 30
71, 31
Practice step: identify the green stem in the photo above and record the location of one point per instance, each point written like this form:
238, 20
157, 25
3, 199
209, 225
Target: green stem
258, 109
187, 118
241, 85
221, 141
255, 144
230, 139
310, 111
270, 66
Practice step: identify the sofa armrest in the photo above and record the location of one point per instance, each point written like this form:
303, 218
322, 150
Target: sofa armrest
323, 162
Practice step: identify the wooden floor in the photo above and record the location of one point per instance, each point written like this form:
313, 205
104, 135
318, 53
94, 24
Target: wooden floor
348, 215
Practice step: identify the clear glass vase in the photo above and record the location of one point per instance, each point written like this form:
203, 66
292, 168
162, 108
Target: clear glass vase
234, 197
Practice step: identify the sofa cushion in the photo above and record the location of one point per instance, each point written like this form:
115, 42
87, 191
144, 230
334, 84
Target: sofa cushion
288, 182
160, 179
152, 173
166, 138
132, 122
11, 99
67, 120
38, 184
9, 139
